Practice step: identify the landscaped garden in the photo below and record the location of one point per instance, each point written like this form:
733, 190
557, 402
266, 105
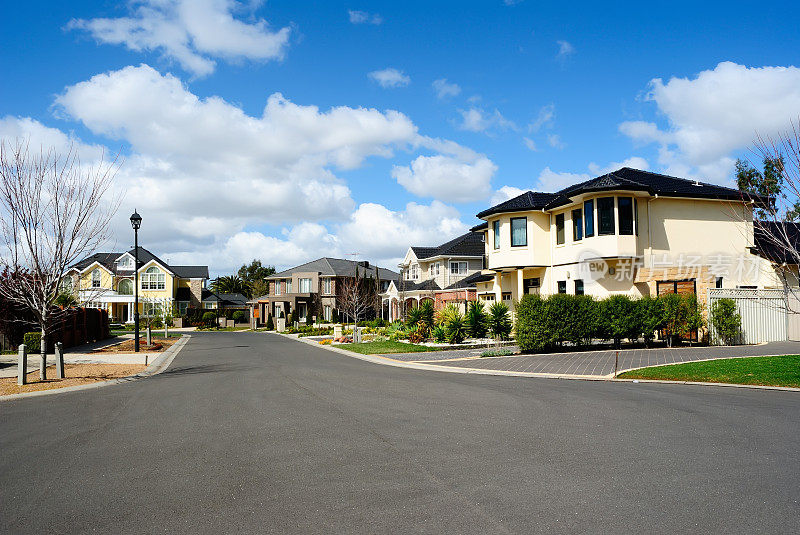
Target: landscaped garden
385, 347
768, 371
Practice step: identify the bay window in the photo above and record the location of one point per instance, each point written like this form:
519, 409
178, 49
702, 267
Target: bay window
605, 215
625, 215
588, 218
519, 231
577, 225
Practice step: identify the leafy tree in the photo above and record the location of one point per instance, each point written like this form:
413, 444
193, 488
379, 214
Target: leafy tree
532, 331
651, 311
620, 318
768, 183
255, 271
231, 284
476, 320
499, 320
209, 318
270, 323
66, 300
727, 322
681, 316
258, 288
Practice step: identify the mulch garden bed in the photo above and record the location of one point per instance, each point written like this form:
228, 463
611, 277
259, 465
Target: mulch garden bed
76, 374
127, 346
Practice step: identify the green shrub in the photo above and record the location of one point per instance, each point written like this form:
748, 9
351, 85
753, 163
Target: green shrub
447, 313
416, 333
209, 318
427, 312
294, 318
239, 316
499, 321
476, 320
33, 341
532, 331
620, 318
455, 328
413, 316
497, 353
727, 322
270, 323
156, 323
651, 313
438, 333
681, 316
309, 318
585, 320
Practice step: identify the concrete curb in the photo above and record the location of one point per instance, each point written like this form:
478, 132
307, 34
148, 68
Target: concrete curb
386, 361
158, 365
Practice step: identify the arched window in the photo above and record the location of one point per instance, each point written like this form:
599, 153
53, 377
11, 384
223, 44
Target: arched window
66, 284
153, 279
96, 278
125, 287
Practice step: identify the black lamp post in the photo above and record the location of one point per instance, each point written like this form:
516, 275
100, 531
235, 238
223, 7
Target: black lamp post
136, 222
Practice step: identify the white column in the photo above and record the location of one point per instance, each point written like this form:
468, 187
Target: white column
520, 284
497, 287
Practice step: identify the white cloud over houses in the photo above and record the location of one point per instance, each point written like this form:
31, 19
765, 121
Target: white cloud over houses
715, 113
194, 33
390, 78
447, 177
505, 193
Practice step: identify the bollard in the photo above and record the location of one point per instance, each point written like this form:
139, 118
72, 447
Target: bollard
59, 360
149, 336
22, 365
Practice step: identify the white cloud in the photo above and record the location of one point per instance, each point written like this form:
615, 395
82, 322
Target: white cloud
191, 32
531, 144
478, 120
553, 181
717, 112
554, 140
505, 193
565, 50
447, 178
544, 119
389, 78
362, 17
634, 162
445, 89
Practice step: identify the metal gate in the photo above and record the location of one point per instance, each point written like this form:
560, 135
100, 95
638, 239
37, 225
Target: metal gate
765, 317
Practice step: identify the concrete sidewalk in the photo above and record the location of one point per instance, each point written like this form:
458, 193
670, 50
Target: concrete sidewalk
600, 363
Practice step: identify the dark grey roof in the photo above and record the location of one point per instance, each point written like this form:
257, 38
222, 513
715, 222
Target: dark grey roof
777, 241
338, 267
233, 299
469, 244
411, 286
624, 179
470, 281
479, 228
108, 260
209, 296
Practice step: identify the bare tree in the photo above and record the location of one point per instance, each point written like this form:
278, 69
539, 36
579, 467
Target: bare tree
53, 212
357, 296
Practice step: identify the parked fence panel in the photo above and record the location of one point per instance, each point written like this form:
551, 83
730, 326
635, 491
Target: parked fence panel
764, 314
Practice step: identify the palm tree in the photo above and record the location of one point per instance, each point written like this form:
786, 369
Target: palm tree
230, 284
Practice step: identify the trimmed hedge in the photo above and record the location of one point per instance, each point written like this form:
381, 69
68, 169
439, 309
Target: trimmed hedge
545, 323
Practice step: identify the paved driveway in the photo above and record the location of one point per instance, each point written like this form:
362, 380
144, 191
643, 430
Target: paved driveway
256, 433
595, 363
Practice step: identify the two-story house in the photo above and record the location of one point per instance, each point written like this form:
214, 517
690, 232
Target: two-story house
105, 280
315, 285
445, 274
626, 232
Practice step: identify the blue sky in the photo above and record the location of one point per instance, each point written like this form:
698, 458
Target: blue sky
529, 95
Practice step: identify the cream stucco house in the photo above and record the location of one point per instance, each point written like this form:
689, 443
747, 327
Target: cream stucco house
626, 232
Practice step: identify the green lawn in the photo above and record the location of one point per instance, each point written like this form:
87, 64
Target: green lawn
143, 333
222, 329
377, 348
769, 371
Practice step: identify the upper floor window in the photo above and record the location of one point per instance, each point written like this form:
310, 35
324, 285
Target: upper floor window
438, 268
96, 278
625, 215
125, 263
414, 270
66, 284
289, 286
125, 287
305, 286
153, 279
559, 229
605, 215
327, 286
588, 218
278, 288
577, 225
458, 268
496, 229
519, 231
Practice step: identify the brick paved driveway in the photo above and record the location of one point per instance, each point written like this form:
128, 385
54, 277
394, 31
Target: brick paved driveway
596, 363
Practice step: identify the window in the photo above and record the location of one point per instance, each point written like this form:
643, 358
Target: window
66, 284
125, 287
625, 215
519, 232
183, 306
577, 225
605, 216
438, 268
506, 296
327, 287
487, 297
414, 271
277, 287
430, 271
559, 229
153, 279
305, 286
458, 268
588, 218
208, 305
326, 312
93, 304
151, 310
578, 286
719, 282
636, 217
531, 286
96, 278
125, 263
289, 286
562, 287
496, 228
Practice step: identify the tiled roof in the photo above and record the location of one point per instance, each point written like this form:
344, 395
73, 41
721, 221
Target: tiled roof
411, 286
481, 227
469, 244
108, 260
470, 281
233, 299
191, 272
623, 179
338, 267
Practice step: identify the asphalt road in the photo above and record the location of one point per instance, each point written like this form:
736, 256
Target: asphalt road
248, 432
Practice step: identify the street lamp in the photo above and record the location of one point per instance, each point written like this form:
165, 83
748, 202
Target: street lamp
136, 222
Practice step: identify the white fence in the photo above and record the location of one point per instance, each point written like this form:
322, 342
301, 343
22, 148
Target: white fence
765, 317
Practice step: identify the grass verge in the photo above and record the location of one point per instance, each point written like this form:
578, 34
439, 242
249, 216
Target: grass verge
766, 371
379, 348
